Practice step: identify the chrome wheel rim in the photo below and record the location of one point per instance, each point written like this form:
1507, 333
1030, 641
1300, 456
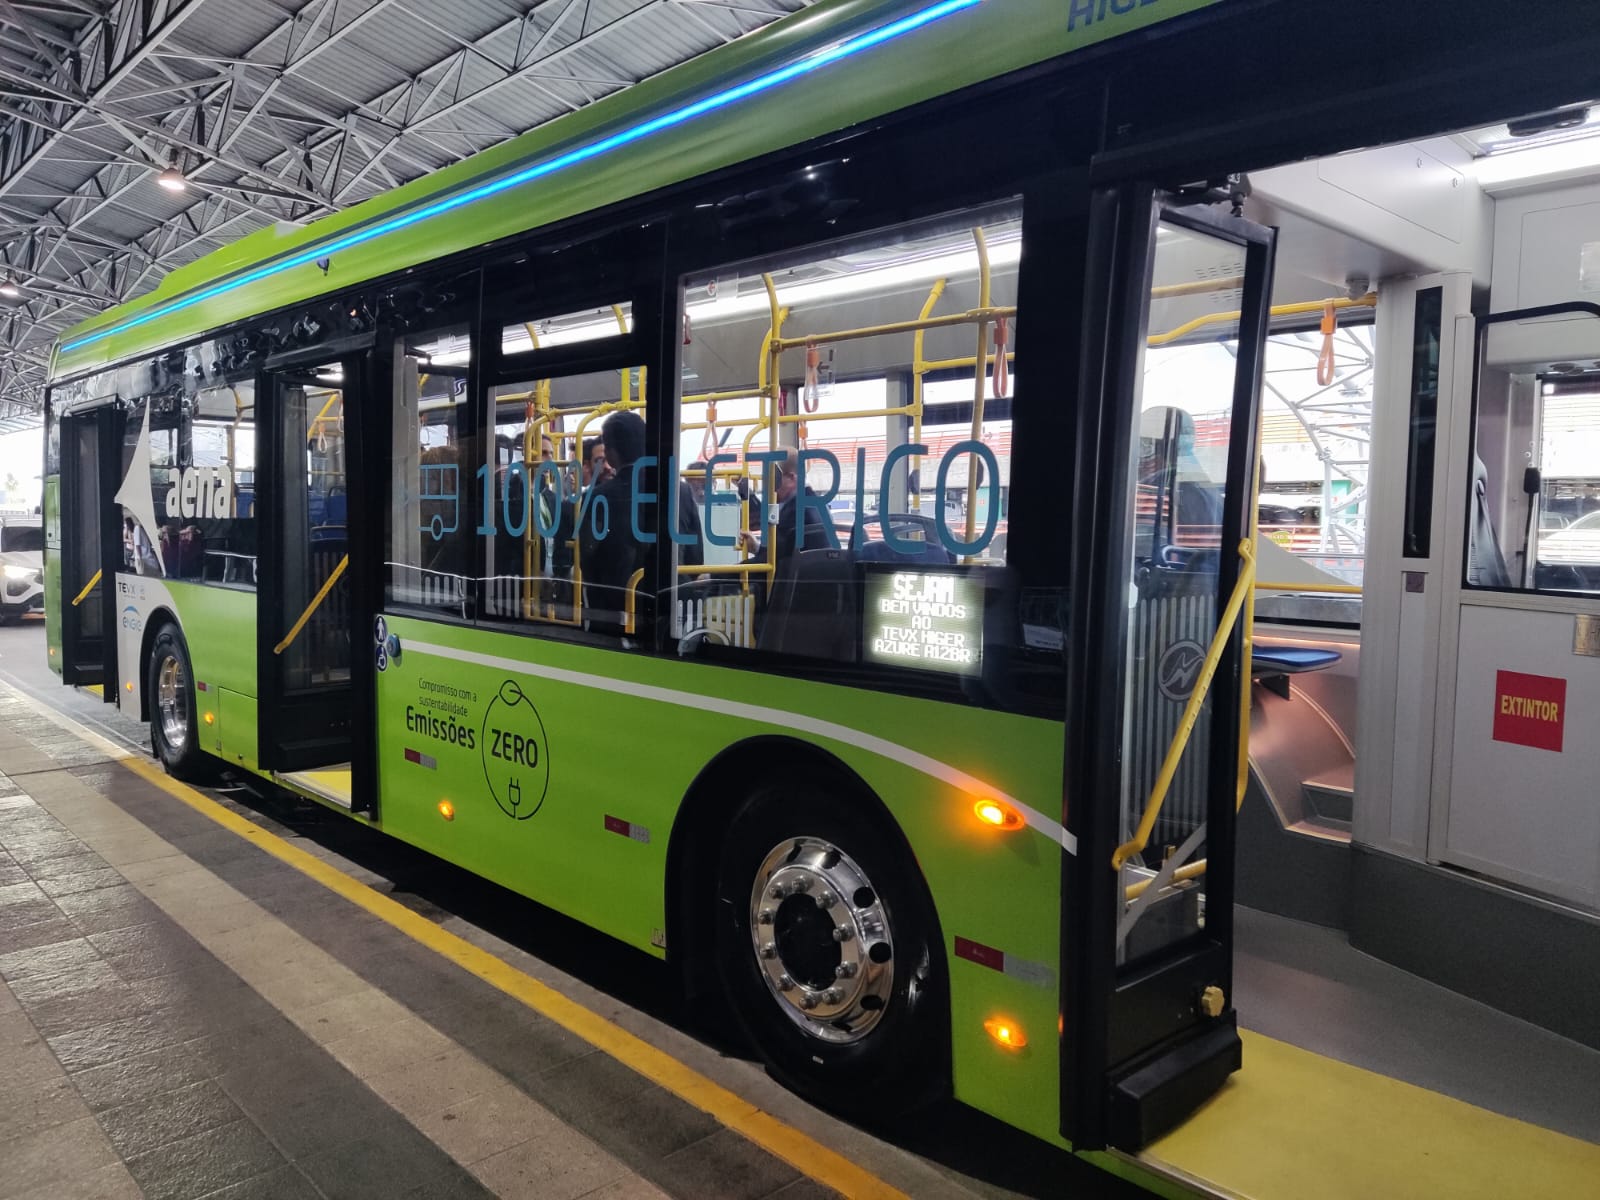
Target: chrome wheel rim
170, 707
822, 939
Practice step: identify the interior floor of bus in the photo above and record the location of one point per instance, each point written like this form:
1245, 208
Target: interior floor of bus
207, 989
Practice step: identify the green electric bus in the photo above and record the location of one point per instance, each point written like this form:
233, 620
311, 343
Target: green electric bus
740, 515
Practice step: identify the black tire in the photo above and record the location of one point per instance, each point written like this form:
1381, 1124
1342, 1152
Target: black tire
181, 756
897, 1063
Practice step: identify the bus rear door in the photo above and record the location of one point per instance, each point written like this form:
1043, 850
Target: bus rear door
91, 546
304, 584
1176, 317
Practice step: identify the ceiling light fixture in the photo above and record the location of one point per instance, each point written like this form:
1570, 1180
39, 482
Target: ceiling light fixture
172, 179
9, 289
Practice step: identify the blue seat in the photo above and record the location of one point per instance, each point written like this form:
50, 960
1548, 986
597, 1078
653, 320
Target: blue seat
1291, 660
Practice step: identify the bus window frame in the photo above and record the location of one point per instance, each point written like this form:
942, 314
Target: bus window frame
1479, 340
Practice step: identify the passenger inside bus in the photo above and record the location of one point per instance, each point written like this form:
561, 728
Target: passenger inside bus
787, 491
609, 561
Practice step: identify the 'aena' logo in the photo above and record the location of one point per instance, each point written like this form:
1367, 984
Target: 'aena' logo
201, 492
1179, 668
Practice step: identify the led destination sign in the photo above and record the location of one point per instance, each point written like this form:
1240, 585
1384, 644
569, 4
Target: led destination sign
931, 620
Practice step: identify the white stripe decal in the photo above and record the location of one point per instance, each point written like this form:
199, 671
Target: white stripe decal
770, 716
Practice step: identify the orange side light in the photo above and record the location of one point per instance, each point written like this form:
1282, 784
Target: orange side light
447, 810
129, 685
1008, 1033
998, 815
210, 718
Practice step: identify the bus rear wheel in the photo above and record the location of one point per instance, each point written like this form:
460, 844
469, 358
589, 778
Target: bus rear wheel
174, 734
828, 953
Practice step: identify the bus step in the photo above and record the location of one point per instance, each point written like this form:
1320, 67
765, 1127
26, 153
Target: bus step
1329, 803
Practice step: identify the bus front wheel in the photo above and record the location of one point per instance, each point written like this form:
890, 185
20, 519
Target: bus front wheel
828, 953
174, 734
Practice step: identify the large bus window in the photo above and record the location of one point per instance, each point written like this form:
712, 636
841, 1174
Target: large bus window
845, 425
430, 536
188, 477
1533, 519
567, 542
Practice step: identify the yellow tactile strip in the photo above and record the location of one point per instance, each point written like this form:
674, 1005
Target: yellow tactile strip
804, 1153
1296, 1124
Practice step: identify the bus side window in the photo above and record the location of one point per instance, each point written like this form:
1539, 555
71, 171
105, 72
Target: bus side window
849, 486
429, 548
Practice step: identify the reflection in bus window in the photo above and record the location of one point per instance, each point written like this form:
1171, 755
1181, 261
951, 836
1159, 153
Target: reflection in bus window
851, 480
568, 502
430, 537
1534, 504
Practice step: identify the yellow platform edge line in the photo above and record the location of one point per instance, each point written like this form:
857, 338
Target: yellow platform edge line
805, 1154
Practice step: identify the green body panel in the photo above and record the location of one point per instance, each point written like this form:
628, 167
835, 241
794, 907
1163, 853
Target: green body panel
51, 505
236, 740
991, 39
611, 752
219, 623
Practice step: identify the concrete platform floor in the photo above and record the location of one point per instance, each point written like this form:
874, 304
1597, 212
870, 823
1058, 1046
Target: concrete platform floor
184, 1015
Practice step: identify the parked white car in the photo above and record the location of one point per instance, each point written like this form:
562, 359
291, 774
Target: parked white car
21, 567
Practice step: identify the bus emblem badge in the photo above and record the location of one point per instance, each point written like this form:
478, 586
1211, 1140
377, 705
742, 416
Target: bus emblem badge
1179, 668
516, 756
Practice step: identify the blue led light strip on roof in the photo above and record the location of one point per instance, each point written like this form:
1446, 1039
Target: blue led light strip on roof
761, 83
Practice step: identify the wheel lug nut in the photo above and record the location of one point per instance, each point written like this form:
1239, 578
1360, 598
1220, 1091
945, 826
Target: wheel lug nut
785, 983
776, 891
842, 933
845, 971
765, 916
808, 1001
800, 885
833, 995
768, 950
826, 899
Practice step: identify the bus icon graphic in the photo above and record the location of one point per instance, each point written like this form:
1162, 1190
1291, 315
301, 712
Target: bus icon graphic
441, 487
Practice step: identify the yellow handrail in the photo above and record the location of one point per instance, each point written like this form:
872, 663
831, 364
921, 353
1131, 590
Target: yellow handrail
1278, 310
630, 602
1342, 589
316, 603
87, 588
1191, 711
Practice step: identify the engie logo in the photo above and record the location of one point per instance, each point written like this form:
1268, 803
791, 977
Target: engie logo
516, 757
131, 620
201, 492
1178, 670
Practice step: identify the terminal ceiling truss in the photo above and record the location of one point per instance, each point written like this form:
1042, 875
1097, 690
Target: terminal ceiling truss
273, 110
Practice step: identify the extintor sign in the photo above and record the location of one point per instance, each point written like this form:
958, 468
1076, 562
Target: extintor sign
1530, 710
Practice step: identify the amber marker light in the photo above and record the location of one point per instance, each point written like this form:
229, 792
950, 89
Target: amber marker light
129, 685
447, 810
1006, 1033
210, 719
997, 815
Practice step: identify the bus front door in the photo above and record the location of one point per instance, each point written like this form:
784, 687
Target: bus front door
90, 547
1176, 327
304, 626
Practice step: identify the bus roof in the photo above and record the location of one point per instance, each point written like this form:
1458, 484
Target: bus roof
815, 72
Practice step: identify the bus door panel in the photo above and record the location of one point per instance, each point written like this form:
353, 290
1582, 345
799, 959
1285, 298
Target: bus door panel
1519, 677
304, 634
91, 545
1177, 318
